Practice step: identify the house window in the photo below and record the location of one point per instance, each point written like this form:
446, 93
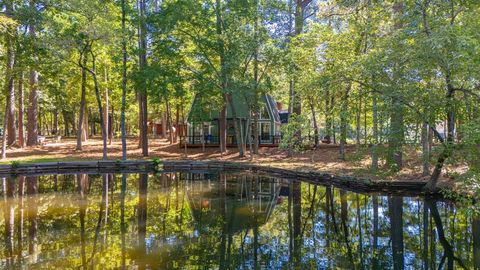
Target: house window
264, 113
265, 132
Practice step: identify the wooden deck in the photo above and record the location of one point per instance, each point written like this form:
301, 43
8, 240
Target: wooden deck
211, 145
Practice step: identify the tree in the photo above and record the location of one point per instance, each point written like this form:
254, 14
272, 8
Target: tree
32, 114
141, 90
9, 125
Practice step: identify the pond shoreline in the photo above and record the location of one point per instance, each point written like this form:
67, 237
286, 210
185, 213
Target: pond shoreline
362, 185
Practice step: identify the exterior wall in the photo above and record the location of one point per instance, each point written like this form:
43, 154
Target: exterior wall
267, 116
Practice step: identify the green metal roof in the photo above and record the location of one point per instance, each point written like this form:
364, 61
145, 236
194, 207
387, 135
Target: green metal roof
203, 110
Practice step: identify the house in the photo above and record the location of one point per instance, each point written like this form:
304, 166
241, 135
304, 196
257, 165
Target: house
203, 122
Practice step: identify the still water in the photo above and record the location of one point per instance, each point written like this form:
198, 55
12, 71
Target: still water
225, 221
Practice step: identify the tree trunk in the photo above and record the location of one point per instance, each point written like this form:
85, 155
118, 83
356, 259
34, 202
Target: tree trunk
4, 136
223, 75
124, 84
99, 103
315, 125
358, 123
328, 116
21, 110
81, 118
396, 136
55, 122
32, 114
449, 142
164, 125
10, 92
256, 105
66, 120
9, 77
88, 129
11, 129
237, 123
375, 133
169, 120
296, 99
343, 122
396, 133
142, 93
425, 149
222, 130
105, 110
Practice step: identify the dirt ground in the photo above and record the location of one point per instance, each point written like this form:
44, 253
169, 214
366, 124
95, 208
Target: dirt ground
324, 159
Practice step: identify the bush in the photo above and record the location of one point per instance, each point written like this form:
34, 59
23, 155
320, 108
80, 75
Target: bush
291, 140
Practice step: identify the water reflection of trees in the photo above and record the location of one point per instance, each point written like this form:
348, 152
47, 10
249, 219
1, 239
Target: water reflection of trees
248, 221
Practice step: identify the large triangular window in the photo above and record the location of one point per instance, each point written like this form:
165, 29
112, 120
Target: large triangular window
264, 113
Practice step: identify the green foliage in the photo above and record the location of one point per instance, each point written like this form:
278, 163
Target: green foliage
291, 140
14, 164
470, 145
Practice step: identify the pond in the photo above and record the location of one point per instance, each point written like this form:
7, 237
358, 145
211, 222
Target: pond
234, 220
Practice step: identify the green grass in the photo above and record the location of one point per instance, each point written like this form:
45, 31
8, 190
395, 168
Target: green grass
39, 160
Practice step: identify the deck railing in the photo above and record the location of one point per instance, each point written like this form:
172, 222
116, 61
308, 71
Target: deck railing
231, 139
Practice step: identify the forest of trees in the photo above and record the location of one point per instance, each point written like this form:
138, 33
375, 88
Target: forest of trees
382, 75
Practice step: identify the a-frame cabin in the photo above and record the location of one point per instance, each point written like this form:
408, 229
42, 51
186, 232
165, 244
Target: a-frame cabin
203, 123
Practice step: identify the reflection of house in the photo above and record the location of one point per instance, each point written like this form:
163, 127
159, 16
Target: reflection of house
243, 202
203, 122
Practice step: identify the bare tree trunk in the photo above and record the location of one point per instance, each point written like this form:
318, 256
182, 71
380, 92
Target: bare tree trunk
164, 125
32, 114
99, 103
9, 78
4, 136
343, 122
81, 118
299, 20
11, 130
88, 129
375, 133
396, 137
21, 109
142, 93
223, 75
256, 105
55, 121
449, 142
124, 87
177, 123
105, 111
169, 120
222, 130
425, 149
358, 123
396, 134
315, 125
